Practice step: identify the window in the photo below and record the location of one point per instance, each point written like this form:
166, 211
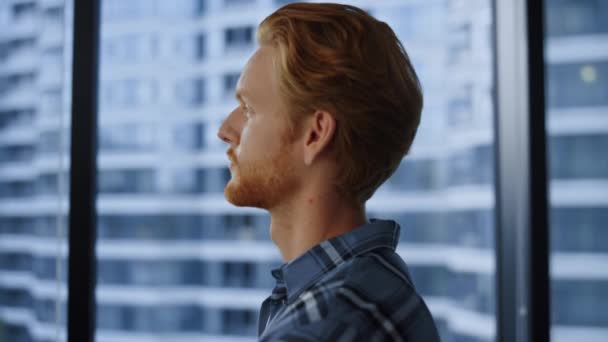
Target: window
578, 156
579, 229
576, 17
578, 167
175, 259
238, 37
417, 174
582, 302
230, 82
128, 137
151, 227
460, 46
578, 84
22, 10
201, 46
239, 322
16, 153
238, 274
127, 181
130, 48
190, 136
191, 92
15, 119
471, 166
201, 7
460, 108
231, 3
16, 189
16, 298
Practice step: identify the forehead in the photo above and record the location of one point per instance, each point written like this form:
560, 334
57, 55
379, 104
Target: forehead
257, 79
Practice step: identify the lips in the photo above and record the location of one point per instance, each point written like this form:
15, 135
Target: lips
232, 158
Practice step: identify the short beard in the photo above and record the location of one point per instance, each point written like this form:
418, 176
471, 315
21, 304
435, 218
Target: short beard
262, 184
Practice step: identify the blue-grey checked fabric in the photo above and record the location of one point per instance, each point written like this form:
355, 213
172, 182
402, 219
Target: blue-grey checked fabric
353, 287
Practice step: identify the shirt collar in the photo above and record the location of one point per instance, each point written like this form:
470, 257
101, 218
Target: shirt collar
297, 275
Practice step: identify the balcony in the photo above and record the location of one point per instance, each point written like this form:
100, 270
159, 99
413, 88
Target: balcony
20, 62
23, 28
19, 97
19, 133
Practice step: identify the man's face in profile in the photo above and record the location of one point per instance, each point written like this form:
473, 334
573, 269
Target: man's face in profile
262, 152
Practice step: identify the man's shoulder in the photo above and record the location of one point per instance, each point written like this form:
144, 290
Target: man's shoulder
380, 271
370, 295
379, 275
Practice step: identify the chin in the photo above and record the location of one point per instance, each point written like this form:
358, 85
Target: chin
243, 196
263, 184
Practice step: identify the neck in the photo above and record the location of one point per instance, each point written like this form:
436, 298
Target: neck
298, 226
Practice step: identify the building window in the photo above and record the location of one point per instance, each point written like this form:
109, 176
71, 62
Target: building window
415, 174
471, 166
16, 153
230, 82
191, 92
460, 46
582, 302
190, 136
578, 156
15, 118
460, 108
238, 322
26, 9
579, 229
16, 189
200, 7
238, 37
127, 181
127, 137
200, 43
575, 17
578, 84
238, 274
238, 3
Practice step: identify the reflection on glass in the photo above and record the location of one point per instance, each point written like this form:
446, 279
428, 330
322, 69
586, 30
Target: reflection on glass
34, 89
577, 127
175, 258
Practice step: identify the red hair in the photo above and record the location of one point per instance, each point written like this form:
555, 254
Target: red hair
340, 59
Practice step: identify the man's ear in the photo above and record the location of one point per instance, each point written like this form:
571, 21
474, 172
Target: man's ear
318, 135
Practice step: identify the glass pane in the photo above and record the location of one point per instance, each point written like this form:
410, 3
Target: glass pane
577, 130
174, 257
35, 60
443, 193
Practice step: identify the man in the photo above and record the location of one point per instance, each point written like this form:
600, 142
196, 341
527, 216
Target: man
329, 105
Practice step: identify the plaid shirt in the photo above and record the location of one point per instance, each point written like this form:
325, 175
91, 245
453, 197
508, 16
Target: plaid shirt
351, 287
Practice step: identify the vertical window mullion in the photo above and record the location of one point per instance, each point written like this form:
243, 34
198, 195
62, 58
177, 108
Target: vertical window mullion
82, 217
522, 235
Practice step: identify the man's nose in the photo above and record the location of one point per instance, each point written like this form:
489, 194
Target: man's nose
229, 130
222, 134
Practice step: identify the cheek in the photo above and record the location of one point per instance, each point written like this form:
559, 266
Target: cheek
258, 143
249, 143
243, 138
